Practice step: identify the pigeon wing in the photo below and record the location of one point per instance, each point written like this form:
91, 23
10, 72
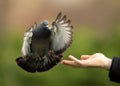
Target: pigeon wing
26, 49
61, 34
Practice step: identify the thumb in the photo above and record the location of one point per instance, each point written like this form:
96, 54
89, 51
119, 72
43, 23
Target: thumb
84, 57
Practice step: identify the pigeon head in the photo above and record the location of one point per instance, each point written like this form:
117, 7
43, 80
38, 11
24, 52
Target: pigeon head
44, 23
41, 31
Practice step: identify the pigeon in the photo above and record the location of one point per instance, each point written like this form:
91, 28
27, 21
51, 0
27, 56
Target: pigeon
43, 46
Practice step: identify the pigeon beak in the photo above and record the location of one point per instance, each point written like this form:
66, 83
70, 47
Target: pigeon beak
47, 26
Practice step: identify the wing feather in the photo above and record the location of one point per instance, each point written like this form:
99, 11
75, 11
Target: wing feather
61, 34
27, 41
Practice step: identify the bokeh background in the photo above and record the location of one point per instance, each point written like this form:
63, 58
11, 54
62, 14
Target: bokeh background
96, 29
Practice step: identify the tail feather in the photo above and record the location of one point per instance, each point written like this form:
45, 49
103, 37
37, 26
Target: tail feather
30, 64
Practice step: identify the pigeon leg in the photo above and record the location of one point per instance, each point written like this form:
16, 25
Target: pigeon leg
38, 58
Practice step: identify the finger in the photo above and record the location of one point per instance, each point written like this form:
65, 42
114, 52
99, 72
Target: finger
76, 61
84, 57
80, 63
66, 62
69, 63
73, 58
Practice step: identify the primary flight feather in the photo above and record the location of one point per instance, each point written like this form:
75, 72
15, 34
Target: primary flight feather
43, 45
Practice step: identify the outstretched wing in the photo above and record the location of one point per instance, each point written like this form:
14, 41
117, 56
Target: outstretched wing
61, 34
27, 41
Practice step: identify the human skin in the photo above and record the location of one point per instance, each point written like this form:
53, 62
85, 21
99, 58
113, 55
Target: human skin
97, 60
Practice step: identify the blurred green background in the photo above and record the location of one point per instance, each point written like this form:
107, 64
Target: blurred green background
96, 29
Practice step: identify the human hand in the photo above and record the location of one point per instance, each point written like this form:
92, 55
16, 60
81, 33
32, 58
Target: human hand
97, 60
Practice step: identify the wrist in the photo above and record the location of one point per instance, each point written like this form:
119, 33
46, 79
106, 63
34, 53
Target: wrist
107, 64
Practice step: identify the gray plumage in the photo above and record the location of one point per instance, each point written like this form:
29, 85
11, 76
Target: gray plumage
43, 45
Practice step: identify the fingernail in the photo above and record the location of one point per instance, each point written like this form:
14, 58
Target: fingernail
70, 55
